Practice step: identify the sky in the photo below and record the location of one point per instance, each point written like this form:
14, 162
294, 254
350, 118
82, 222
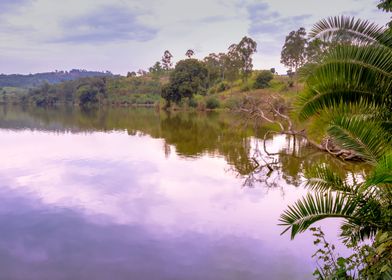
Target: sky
127, 35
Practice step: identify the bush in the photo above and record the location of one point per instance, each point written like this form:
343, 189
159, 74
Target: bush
212, 103
245, 87
192, 103
263, 78
187, 79
233, 102
222, 86
212, 90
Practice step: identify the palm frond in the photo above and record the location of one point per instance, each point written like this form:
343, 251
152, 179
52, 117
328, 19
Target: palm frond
380, 179
321, 178
319, 124
348, 73
315, 207
353, 232
357, 30
366, 138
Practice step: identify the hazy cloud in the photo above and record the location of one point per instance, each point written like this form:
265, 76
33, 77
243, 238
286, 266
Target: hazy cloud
43, 35
108, 24
265, 21
7, 5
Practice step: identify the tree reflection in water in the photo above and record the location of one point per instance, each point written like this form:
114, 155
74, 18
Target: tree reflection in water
256, 160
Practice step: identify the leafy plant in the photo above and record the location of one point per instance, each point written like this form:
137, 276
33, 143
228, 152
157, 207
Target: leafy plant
212, 103
263, 78
346, 91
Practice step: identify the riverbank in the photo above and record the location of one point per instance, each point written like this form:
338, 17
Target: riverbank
143, 91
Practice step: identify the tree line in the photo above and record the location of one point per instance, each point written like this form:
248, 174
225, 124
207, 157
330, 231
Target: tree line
35, 80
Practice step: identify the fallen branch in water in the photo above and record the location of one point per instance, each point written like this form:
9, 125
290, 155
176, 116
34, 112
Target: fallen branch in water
255, 109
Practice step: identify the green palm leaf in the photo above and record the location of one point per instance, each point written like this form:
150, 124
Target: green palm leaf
382, 173
315, 207
323, 179
366, 138
349, 74
349, 28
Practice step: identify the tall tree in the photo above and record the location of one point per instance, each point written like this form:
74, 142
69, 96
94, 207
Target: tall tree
141, 72
232, 63
293, 51
243, 52
213, 66
167, 60
314, 50
188, 78
189, 53
131, 74
156, 68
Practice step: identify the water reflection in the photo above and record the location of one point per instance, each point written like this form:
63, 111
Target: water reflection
139, 194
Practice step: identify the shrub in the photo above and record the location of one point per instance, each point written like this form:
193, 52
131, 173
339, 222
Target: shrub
192, 103
222, 86
263, 78
245, 87
212, 103
233, 102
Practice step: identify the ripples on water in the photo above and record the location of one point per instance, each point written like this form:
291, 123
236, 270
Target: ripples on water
136, 194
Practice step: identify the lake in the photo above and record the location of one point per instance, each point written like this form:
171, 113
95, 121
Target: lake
140, 194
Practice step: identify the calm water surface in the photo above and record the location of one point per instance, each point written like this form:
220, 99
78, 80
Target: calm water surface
136, 194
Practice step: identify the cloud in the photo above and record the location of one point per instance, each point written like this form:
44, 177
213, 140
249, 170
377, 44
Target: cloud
269, 27
108, 24
266, 21
260, 11
8, 5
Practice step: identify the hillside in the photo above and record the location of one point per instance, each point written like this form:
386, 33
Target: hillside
33, 80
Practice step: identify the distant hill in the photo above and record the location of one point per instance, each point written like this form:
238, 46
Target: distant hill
33, 80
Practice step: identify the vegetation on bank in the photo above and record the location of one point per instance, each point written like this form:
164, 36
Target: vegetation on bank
347, 96
35, 80
146, 91
218, 81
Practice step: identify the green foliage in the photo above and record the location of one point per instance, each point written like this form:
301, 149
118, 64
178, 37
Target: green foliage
167, 60
192, 103
214, 66
330, 266
349, 30
293, 51
222, 86
315, 50
233, 102
358, 134
102, 90
87, 95
262, 79
367, 261
314, 207
246, 87
345, 93
242, 52
188, 78
37, 80
212, 102
156, 69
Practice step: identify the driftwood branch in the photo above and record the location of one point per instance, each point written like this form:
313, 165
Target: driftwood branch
257, 110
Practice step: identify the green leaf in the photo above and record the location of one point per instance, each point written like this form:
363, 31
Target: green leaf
315, 207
